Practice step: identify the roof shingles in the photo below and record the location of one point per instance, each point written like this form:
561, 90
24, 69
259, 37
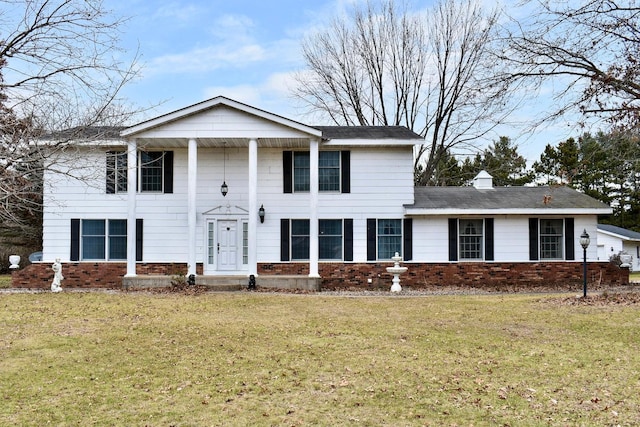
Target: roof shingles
470, 198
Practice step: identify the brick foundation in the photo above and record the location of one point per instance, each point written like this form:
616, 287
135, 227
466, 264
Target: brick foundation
511, 276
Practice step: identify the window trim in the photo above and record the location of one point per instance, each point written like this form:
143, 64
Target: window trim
117, 179
341, 236
560, 240
567, 239
343, 179
481, 243
106, 239
487, 245
75, 253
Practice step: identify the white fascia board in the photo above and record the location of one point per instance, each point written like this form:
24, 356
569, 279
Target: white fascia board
84, 143
220, 100
618, 236
374, 142
487, 212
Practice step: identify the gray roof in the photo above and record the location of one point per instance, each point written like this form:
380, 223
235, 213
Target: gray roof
367, 132
522, 198
628, 234
87, 132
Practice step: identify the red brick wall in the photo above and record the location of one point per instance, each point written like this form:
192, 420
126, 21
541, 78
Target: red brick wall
510, 276
90, 275
478, 275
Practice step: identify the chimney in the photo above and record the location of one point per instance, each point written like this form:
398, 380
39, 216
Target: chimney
483, 181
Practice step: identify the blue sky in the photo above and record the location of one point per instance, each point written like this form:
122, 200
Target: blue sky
247, 50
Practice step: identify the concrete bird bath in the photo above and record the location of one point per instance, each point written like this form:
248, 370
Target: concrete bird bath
396, 270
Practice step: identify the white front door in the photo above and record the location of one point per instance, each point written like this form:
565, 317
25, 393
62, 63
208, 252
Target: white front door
227, 245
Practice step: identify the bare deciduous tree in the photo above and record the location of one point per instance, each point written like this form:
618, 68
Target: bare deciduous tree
429, 72
590, 49
60, 68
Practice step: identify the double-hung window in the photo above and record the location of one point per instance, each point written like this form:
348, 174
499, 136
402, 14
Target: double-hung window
333, 171
471, 239
470, 235
551, 237
389, 238
299, 239
329, 171
151, 171
301, 171
154, 172
330, 239
334, 240
116, 171
104, 239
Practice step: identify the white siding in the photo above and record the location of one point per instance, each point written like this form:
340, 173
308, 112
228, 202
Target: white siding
511, 238
381, 183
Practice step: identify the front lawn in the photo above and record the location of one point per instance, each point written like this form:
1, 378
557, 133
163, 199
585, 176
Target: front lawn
113, 358
5, 281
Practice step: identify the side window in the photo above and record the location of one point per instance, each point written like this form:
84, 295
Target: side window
116, 172
551, 238
301, 171
299, 239
334, 171
470, 237
330, 239
151, 171
389, 238
329, 171
155, 172
104, 239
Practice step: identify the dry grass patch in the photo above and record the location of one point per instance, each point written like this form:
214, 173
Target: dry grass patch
5, 281
263, 359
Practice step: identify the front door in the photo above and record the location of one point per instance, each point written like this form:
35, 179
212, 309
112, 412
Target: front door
227, 245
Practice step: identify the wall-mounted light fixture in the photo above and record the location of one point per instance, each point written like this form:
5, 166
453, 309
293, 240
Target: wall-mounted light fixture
224, 188
261, 213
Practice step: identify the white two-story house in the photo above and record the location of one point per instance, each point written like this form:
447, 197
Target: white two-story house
222, 191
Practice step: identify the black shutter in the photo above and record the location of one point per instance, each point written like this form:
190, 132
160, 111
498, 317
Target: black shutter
407, 246
453, 239
488, 239
284, 239
348, 239
75, 240
569, 233
111, 172
287, 171
168, 171
533, 239
346, 171
371, 239
139, 234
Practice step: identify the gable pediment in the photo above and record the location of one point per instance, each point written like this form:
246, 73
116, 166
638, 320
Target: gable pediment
220, 118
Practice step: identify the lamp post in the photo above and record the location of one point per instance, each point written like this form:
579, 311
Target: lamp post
584, 242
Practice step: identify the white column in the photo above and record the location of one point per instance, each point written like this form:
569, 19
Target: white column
253, 207
313, 209
192, 173
132, 164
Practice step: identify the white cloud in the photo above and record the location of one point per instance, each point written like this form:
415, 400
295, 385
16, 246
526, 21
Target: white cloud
204, 59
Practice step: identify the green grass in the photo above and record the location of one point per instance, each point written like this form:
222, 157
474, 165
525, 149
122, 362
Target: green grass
280, 359
634, 277
5, 281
